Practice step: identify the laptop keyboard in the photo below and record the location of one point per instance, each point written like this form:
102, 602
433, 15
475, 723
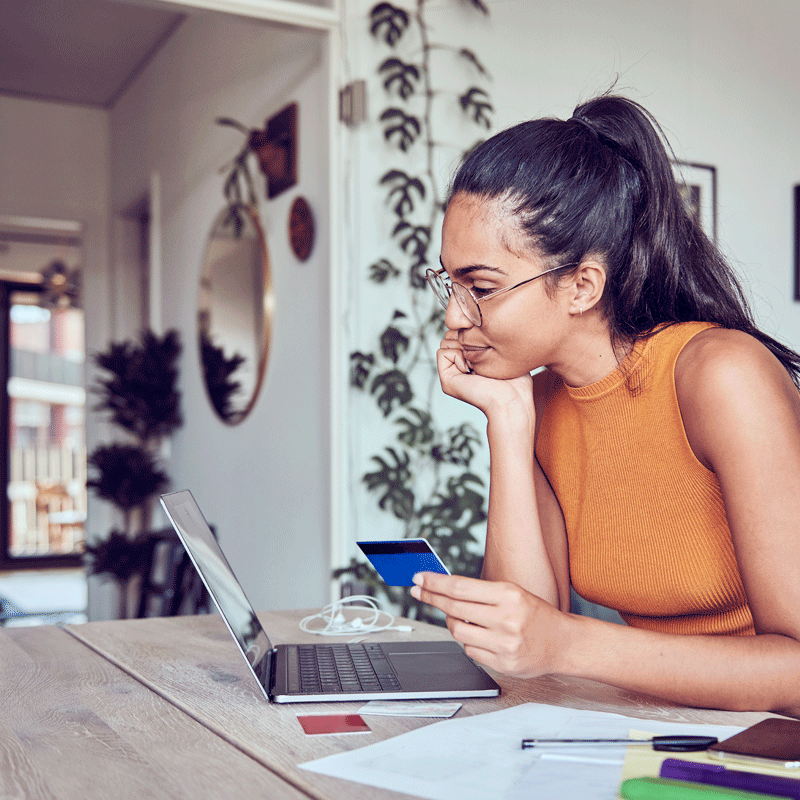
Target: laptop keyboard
345, 668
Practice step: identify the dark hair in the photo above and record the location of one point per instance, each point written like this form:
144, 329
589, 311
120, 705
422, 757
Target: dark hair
601, 184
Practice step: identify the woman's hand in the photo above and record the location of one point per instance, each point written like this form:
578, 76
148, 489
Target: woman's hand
500, 624
459, 381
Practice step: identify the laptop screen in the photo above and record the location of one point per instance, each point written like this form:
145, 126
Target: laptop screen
222, 585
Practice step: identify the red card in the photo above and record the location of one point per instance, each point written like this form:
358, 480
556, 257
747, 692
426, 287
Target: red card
316, 724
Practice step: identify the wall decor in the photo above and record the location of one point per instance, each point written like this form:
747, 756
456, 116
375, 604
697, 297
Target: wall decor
301, 228
275, 149
797, 242
698, 187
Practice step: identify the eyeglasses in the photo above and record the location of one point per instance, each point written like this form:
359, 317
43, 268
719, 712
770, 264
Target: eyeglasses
466, 300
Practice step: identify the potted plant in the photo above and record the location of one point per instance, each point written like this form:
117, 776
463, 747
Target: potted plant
140, 395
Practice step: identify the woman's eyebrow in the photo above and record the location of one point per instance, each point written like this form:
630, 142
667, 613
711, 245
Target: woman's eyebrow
461, 271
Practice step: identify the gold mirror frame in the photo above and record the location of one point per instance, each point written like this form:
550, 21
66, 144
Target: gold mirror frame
234, 314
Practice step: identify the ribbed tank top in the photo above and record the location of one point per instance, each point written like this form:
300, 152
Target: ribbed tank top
646, 525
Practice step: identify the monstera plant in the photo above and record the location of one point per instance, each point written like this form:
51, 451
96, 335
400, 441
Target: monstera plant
425, 475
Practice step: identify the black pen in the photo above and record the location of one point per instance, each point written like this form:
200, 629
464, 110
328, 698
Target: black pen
670, 744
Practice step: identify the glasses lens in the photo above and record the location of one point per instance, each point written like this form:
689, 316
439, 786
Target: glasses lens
468, 304
439, 287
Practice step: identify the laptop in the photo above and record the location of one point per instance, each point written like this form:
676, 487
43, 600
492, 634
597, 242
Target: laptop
303, 673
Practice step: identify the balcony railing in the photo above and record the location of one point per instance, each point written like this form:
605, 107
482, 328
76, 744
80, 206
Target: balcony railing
47, 499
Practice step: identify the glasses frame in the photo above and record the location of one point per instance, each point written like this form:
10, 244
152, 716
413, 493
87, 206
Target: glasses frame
432, 275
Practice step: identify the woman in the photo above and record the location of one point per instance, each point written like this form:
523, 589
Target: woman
655, 463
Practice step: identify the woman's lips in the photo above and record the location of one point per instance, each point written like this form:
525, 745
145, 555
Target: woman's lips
473, 352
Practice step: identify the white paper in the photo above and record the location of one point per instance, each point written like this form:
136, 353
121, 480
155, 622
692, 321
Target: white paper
481, 758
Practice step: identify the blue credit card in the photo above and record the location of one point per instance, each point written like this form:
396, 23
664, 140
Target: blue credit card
398, 561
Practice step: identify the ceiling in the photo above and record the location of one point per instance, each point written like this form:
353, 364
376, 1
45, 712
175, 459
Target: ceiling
85, 52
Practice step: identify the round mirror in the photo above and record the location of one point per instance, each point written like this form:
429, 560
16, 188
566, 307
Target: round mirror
235, 312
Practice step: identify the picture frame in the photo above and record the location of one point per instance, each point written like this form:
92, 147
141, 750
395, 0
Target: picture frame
797, 241
698, 187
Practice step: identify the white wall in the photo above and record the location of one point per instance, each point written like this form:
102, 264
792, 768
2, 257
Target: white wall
264, 482
720, 76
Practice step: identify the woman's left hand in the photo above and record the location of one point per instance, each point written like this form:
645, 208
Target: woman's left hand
501, 625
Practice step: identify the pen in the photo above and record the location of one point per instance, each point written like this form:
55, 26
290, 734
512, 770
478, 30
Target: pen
666, 789
672, 744
717, 775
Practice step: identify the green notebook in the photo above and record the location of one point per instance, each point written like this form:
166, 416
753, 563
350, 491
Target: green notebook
667, 789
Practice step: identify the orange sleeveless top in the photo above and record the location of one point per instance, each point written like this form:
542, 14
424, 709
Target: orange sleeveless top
646, 526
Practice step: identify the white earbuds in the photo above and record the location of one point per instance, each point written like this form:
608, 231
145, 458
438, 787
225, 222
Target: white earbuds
335, 623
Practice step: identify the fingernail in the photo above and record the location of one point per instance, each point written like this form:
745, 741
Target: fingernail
416, 592
418, 579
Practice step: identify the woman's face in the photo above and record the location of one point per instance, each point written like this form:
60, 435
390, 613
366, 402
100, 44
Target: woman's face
483, 250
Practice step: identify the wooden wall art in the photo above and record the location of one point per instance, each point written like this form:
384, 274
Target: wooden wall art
301, 228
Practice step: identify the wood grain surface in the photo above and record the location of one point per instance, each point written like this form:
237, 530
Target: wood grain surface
72, 725
193, 663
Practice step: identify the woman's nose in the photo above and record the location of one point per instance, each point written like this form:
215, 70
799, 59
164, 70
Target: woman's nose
454, 317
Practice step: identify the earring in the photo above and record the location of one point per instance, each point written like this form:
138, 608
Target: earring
581, 310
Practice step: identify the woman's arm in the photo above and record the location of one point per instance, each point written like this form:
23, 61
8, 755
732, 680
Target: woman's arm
741, 413
742, 419
516, 633
525, 535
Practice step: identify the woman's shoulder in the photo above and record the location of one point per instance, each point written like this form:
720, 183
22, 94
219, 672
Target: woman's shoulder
732, 374
726, 355
734, 396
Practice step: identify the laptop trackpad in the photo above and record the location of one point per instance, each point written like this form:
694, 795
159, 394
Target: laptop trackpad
435, 671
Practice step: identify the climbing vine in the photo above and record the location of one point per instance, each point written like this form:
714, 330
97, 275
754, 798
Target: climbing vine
425, 476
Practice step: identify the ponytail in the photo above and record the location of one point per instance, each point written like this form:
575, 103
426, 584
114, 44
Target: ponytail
601, 184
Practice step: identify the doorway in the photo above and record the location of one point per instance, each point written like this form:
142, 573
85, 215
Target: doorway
42, 419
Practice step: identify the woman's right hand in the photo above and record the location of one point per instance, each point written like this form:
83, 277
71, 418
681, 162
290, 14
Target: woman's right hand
487, 394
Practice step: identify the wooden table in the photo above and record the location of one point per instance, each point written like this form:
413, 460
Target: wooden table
164, 708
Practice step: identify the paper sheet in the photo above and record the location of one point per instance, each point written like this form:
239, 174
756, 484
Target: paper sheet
480, 757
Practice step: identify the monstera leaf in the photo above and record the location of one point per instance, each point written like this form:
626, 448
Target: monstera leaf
413, 238
403, 77
393, 341
391, 389
403, 187
382, 270
416, 428
473, 59
416, 280
458, 506
476, 102
460, 446
389, 22
360, 367
404, 128
390, 481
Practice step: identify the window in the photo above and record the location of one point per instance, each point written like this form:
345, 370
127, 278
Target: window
42, 404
